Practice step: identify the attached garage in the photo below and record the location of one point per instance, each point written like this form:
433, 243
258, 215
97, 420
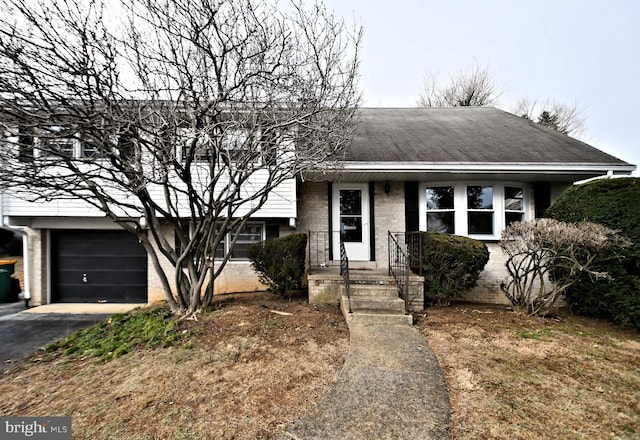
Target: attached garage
97, 266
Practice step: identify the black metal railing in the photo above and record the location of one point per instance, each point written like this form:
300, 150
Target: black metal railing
319, 249
344, 271
415, 249
319, 253
399, 265
405, 258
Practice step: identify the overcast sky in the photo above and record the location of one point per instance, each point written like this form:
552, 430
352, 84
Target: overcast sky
580, 52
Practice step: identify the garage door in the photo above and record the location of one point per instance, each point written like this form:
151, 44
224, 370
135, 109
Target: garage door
97, 266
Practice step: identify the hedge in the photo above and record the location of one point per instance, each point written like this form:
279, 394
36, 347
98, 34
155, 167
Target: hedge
614, 203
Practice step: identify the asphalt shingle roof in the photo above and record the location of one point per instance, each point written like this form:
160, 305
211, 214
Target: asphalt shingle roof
464, 135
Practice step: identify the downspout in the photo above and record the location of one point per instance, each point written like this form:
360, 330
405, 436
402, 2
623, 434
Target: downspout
26, 293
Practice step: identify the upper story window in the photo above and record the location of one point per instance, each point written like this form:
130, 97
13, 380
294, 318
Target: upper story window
57, 147
90, 150
234, 147
58, 143
474, 209
197, 144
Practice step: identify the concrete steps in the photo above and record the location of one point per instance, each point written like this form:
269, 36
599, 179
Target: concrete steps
372, 317
374, 300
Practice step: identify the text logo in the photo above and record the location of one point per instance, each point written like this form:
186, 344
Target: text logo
40, 428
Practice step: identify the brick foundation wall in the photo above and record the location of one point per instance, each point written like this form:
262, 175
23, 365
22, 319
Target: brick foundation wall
416, 293
488, 289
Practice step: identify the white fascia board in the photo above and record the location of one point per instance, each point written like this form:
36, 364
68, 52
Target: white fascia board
483, 168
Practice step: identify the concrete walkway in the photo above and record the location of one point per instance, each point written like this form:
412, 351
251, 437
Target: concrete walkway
391, 387
84, 308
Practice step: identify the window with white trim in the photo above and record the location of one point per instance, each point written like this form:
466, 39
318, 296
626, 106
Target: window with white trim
477, 209
59, 143
62, 147
252, 232
480, 210
91, 150
201, 149
513, 204
234, 146
440, 209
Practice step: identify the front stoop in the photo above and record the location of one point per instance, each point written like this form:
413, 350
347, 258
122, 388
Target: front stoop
373, 292
374, 300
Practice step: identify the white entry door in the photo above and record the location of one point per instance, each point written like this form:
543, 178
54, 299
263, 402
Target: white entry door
351, 219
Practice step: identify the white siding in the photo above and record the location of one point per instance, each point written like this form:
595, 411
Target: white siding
58, 208
281, 203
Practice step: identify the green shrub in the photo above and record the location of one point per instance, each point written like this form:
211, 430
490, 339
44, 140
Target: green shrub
614, 203
451, 265
120, 334
280, 262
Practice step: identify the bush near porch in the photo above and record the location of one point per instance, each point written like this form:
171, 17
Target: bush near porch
451, 265
614, 203
280, 262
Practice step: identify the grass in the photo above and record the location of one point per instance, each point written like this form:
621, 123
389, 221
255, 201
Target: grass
239, 372
538, 335
513, 376
243, 372
120, 335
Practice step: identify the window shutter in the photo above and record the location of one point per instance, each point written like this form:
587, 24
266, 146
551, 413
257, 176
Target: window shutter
541, 197
273, 231
411, 207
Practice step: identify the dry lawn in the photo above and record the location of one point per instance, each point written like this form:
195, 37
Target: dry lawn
244, 372
512, 376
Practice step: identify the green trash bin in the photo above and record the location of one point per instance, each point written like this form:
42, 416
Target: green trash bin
6, 270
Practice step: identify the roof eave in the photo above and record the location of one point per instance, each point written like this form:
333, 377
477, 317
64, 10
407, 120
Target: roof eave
521, 172
488, 167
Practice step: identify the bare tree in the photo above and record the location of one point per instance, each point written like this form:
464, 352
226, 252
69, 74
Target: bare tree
474, 87
561, 117
173, 118
545, 257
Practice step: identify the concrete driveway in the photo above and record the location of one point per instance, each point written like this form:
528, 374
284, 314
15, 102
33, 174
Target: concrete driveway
23, 333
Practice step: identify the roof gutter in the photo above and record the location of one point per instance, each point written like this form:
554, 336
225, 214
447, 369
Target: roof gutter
609, 175
488, 167
26, 294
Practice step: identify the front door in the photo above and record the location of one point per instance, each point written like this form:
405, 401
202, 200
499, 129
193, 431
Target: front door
351, 219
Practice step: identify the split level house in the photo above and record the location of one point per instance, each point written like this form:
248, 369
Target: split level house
468, 171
